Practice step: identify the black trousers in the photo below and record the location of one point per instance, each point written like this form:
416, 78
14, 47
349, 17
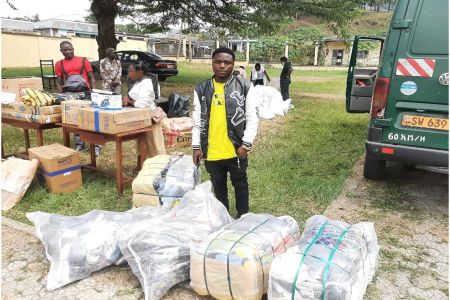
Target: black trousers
238, 174
284, 90
259, 82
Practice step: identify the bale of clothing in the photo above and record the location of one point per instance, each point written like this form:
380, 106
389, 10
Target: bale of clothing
164, 180
158, 250
234, 263
272, 103
76, 246
154, 241
332, 260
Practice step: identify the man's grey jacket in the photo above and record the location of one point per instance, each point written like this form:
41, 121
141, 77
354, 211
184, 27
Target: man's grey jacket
241, 105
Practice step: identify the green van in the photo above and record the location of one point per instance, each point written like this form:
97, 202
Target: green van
407, 97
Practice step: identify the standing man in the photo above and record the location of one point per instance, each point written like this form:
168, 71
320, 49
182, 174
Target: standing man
285, 77
111, 71
225, 125
74, 74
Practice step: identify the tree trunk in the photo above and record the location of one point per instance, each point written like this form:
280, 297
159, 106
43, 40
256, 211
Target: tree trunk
105, 11
389, 7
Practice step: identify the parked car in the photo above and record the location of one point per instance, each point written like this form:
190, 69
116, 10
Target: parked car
156, 64
407, 96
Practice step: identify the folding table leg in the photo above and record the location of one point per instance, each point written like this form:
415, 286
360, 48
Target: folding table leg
39, 137
66, 138
93, 158
119, 173
143, 149
27, 139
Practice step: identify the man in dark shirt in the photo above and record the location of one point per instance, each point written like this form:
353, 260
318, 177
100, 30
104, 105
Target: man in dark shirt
285, 77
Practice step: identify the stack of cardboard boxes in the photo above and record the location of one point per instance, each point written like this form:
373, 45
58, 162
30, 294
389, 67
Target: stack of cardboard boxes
33, 114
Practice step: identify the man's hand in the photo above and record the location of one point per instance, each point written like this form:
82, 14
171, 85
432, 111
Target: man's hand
242, 153
196, 155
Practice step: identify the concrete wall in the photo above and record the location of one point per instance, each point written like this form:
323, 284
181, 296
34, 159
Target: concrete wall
371, 59
21, 50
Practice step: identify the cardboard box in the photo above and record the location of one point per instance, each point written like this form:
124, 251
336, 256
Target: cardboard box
17, 175
106, 100
41, 119
182, 139
35, 110
174, 126
15, 84
19, 107
47, 110
114, 121
59, 167
70, 110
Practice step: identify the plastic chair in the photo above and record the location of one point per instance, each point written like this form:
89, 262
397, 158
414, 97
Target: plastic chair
50, 78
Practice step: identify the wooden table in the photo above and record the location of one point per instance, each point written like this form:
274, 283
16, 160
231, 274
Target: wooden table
25, 125
101, 138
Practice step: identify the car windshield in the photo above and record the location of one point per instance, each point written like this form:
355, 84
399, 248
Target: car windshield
154, 56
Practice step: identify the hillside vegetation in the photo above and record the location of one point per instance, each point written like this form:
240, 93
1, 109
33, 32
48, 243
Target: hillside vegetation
366, 24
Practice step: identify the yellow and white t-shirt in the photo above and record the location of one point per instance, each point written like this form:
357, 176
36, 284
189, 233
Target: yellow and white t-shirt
220, 146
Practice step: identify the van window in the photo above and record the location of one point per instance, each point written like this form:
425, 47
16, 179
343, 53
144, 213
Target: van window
431, 35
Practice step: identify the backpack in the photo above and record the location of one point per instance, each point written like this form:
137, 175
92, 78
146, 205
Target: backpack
75, 83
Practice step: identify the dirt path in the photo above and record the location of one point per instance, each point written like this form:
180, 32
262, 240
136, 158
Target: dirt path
410, 212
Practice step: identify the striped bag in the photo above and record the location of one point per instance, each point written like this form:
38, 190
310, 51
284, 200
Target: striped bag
35, 97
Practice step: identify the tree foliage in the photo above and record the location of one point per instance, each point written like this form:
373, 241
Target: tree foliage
34, 18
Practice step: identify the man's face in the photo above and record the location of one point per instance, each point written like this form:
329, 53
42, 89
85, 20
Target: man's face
67, 50
257, 68
112, 56
222, 65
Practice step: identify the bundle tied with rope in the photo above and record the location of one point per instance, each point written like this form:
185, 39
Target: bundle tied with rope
332, 260
234, 263
35, 97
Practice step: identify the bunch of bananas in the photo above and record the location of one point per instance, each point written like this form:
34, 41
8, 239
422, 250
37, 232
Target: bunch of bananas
35, 97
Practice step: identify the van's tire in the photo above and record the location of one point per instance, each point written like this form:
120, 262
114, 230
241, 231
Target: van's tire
374, 168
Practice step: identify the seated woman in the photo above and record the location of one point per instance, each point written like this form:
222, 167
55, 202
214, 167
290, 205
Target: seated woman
142, 95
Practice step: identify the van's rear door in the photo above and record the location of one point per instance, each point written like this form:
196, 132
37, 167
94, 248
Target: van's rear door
417, 105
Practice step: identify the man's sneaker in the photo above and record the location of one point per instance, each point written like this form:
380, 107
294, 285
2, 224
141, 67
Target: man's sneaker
97, 152
80, 148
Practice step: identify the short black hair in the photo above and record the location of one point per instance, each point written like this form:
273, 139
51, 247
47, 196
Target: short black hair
65, 42
284, 58
241, 67
257, 65
224, 50
140, 66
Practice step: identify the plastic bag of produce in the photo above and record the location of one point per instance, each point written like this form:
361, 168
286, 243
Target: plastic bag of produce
234, 263
332, 260
158, 250
78, 246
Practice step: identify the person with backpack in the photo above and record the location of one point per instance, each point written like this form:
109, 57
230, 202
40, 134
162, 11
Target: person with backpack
285, 77
74, 74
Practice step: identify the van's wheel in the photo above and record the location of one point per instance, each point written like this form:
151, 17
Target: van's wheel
374, 168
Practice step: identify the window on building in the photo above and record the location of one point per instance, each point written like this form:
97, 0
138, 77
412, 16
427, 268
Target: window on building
337, 57
362, 54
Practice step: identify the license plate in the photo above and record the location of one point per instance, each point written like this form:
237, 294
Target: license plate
425, 122
169, 66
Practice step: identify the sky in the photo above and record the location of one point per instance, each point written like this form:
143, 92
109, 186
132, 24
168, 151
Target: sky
47, 9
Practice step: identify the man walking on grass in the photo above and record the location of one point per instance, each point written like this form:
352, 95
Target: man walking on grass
225, 125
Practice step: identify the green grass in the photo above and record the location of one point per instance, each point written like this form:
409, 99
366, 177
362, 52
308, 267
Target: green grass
298, 165
25, 72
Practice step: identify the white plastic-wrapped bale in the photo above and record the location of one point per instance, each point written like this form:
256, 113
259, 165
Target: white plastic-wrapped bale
234, 263
78, 246
164, 180
332, 260
158, 250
